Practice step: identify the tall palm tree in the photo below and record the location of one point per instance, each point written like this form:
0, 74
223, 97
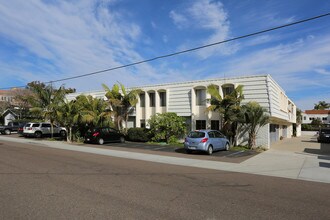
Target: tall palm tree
93, 111
69, 114
228, 107
46, 100
255, 117
121, 102
321, 105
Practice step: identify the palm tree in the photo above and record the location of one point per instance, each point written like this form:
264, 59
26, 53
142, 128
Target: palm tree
255, 117
69, 114
93, 111
228, 107
121, 102
321, 105
46, 100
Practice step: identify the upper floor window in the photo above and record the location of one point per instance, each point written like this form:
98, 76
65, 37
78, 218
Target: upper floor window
152, 99
142, 100
200, 96
162, 97
227, 89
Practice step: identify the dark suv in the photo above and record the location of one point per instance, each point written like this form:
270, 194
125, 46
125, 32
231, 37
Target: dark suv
103, 135
324, 135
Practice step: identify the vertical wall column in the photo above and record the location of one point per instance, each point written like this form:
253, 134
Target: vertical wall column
157, 103
193, 109
147, 109
167, 99
138, 113
209, 114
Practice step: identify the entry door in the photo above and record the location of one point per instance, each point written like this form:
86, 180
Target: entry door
273, 132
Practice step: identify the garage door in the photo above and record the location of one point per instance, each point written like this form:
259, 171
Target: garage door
273, 132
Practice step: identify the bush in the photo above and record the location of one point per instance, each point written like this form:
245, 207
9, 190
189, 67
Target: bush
138, 134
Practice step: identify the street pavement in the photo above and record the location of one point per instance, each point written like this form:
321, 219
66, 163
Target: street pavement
295, 158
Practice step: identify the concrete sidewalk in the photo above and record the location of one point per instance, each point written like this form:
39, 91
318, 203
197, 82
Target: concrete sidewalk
287, 158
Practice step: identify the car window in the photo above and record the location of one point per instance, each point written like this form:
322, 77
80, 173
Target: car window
113, 130
46, 125
211, 134
35, 125
104, 130
27, 125
196, 134
325, 131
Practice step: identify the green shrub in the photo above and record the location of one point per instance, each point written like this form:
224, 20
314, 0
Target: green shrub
138, 134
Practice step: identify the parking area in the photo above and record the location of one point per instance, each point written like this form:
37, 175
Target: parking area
224, 156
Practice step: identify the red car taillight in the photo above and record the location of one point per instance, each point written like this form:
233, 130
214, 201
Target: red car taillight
96, 134
204, 140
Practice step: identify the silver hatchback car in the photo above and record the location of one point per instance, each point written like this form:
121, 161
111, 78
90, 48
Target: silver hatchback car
206, 140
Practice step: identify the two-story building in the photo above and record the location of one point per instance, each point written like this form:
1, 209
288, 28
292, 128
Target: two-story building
310, 115
189, 100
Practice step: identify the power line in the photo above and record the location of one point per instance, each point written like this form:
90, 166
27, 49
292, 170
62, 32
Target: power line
184, 51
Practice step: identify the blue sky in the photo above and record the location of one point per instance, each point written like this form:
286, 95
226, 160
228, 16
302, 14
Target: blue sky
49, 40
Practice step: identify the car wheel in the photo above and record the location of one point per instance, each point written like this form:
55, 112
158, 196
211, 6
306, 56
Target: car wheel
62, 133
7, 132
101, 141
209, 150
38, 134
122, 140
227, 146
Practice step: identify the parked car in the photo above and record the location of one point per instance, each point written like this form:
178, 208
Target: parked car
41, 129
323, 135
103, 135
11, 127
206, 140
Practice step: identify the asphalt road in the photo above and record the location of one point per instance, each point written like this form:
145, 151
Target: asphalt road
44, 183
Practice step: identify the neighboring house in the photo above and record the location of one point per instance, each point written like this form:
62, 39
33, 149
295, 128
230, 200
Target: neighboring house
8, 116
7, 96
309, 115
188, 100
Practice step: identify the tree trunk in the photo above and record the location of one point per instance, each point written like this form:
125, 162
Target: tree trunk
252, 140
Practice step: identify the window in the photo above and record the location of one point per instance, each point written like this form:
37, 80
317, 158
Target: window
142, 123
218, 134
215, 124
304, 117
200, 124
142, 100
46, 125
152, 99
324, 118
227, 89
211, 134
162, 97
200, 97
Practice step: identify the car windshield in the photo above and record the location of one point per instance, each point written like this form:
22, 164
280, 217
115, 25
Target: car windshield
196, 134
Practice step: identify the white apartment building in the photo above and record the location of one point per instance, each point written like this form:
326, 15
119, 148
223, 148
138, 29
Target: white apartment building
309, 115
188, 100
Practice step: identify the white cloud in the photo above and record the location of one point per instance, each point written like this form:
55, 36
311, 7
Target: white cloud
322, 71
73, 37
209, 16
179, 20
